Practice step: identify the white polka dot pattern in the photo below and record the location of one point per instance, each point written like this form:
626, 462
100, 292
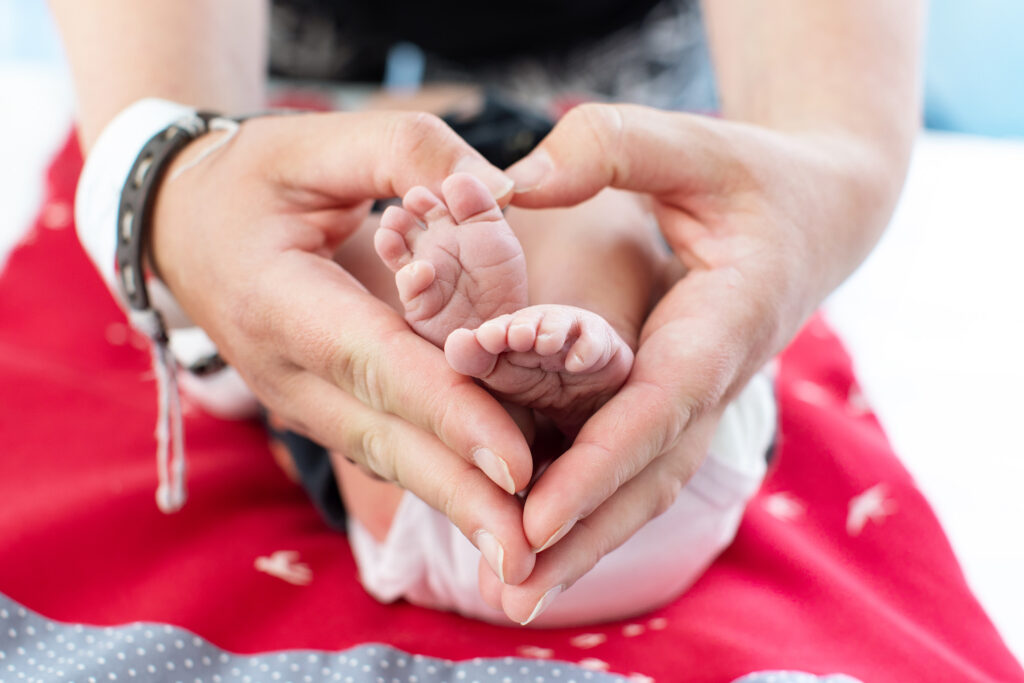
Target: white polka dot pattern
794, 677
33, 648
36, 649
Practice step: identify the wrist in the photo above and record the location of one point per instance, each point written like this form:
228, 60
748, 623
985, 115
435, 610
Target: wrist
162, 247
874, 170
836, 189
106, 170
858, 183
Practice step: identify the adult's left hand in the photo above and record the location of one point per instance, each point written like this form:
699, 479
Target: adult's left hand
766, 224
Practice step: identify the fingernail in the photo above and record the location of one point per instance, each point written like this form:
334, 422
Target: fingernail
489, 547
544, 603
497, 182
495, 468
557, 536
530, 172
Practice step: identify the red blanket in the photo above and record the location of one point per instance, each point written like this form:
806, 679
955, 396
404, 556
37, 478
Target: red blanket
839, 566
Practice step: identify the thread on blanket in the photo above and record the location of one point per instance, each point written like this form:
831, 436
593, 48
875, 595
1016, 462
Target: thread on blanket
170, 428
169, 432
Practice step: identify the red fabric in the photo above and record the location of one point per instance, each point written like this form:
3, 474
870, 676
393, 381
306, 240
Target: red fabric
81, 539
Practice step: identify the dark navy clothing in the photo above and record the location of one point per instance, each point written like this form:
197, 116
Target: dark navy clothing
463, 32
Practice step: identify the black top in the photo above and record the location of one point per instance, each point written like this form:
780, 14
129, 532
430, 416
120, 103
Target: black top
464, 32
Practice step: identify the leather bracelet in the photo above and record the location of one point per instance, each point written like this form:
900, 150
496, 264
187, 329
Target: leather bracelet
138, 197
134, 217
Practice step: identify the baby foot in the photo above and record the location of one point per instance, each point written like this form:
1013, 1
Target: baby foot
560, 360
457, 263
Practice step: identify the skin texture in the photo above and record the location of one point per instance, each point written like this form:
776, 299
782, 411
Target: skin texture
769, 209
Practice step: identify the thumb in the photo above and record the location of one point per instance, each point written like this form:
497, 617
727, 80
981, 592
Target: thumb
352, 156
629, 147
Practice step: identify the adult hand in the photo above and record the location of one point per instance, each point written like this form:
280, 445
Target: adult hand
244, 240
766, 224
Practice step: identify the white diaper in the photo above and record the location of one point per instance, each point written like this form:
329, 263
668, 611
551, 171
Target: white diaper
427, 561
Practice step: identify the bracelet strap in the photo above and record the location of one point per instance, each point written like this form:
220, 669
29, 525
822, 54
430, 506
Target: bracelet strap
138, 197
135, 212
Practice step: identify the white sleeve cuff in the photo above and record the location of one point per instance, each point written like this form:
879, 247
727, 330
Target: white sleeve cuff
106, 170
97, 202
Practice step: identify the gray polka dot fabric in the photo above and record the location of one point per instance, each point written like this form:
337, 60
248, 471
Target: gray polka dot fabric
36, 649
794, 677
33, 648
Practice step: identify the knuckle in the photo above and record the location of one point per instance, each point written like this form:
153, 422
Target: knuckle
354, 370
597, 546
453, 497
414, 132
665, 496
442, 417
374, 449
351, 370
602, 119
603, 123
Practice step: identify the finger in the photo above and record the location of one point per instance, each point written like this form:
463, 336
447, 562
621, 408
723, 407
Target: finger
326, 323
399, 452
354, 155
490, 586
630, 431
625, 146
644, 497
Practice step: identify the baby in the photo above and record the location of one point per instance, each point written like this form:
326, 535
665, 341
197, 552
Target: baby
554, 347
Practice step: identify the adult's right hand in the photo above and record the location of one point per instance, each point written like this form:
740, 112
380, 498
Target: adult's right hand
766, 222
244, 241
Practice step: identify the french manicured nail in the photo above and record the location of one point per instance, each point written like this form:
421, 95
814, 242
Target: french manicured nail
529, 173
489, 547
558, 535
497, 182
544, 603
495, 468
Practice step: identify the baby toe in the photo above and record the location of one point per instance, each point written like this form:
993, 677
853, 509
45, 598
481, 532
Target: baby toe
493, 334
425, 205
393, 239
468, 199
466, 356
590, 352
522, 331
413, 282
553, 333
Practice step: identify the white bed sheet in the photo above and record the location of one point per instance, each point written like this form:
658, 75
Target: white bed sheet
934, 321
